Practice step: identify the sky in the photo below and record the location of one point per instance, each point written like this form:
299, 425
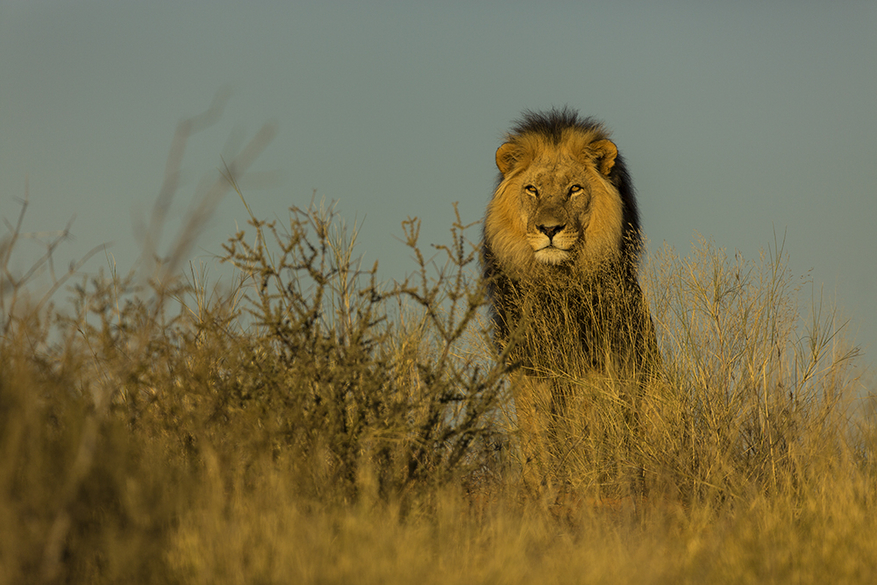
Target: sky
743, 122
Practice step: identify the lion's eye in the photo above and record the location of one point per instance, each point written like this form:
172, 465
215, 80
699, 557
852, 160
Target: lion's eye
575, 189
531, 190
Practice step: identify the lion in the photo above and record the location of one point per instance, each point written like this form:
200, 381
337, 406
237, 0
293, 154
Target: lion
560, 256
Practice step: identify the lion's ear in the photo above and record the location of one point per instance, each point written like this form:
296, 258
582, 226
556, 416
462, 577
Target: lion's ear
506, 157
605, 152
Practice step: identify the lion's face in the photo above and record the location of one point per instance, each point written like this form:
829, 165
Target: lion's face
555, 205
554, 201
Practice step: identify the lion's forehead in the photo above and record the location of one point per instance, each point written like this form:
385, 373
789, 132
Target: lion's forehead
556, 171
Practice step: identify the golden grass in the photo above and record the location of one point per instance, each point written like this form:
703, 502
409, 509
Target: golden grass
315, 425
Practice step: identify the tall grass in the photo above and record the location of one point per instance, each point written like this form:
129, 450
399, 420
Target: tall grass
759, 396
314, 423
124, 408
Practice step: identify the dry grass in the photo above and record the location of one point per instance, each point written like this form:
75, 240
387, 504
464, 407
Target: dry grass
316, 425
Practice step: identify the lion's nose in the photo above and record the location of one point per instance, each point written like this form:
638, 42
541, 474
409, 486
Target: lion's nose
550, 230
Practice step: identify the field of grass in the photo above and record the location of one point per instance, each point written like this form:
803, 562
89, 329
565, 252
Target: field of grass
315, 424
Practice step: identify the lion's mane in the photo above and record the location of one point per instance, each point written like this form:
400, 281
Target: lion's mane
586, 309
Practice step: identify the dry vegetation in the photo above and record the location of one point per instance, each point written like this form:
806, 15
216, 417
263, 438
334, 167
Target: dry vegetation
317, 425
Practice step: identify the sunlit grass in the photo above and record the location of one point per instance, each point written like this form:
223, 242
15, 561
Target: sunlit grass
314, 423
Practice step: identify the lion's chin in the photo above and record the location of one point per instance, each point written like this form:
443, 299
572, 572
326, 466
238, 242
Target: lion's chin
552, 255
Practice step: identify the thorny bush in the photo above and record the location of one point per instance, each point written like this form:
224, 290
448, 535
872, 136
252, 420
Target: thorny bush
369, 386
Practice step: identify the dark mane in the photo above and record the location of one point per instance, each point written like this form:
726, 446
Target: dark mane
551, 124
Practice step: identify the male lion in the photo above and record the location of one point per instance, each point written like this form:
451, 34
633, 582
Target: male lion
560, 254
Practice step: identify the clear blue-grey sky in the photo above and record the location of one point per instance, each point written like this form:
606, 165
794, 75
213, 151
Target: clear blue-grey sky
739, 120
